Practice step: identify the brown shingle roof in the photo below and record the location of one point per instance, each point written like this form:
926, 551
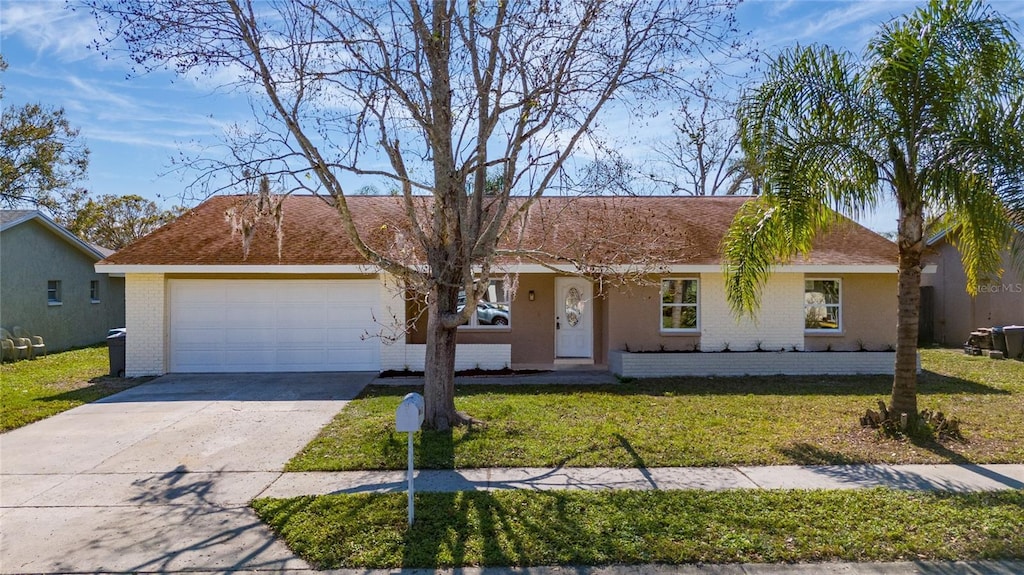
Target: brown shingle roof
601, 230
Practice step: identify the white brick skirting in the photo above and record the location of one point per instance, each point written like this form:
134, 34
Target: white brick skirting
627, 364
401, 356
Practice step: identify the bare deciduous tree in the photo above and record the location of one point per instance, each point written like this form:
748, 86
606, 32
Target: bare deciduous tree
704, 158
426, 96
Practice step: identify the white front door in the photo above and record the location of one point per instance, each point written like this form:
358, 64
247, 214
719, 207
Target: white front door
574, 318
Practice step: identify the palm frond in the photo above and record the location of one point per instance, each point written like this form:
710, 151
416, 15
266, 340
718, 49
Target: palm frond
767, 231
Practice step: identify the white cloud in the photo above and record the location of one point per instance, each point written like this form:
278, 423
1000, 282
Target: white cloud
50, 28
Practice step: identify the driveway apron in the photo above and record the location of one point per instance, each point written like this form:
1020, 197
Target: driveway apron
159, 477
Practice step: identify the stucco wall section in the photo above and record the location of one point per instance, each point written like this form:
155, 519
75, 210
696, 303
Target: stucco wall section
869, 309
632, 319
145, 318
778, 325
30, 256
1000, 301
531, 334
397, 354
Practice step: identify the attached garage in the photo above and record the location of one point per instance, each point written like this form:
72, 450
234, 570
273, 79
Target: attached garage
248, 325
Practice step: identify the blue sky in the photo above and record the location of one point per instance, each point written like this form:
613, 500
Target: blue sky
134, 127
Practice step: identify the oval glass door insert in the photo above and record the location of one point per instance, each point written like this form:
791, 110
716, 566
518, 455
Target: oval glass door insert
573, 306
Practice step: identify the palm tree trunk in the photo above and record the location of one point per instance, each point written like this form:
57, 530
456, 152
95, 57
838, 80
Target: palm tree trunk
911, 249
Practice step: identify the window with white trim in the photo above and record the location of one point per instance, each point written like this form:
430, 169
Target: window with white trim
53, 292
494, 310
94, 291
823, 305
679, 304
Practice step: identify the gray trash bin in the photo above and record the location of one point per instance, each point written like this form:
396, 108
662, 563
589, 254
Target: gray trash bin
1014, 341
999, 339
115, 349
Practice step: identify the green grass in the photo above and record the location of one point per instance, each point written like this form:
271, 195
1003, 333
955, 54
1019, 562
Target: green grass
689, 422
641, 527
36, 389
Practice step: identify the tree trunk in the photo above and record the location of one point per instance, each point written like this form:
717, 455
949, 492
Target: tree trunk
911, 248
439, 366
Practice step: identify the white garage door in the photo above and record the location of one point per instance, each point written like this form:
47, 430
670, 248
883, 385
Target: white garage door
274, 325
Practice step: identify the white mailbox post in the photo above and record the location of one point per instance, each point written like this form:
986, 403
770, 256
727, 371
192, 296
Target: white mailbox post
409, 418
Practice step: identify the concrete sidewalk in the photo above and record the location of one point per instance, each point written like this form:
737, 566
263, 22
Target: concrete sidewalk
952, 478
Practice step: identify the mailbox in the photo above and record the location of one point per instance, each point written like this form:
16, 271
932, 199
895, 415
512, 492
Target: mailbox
409, 418
409, 415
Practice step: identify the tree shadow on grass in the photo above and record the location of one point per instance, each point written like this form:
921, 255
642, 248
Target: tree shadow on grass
803, 453
854, 472
505, 536
570, 528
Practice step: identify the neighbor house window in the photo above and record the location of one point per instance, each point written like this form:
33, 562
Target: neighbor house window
822, 305
679, 304
494, 309
53, 292
94, 291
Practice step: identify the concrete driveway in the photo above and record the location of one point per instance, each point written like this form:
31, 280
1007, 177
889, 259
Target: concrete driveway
158, 477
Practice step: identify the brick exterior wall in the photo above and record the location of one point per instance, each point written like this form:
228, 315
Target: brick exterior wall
399, 356
779, 323
751, 363
145, 319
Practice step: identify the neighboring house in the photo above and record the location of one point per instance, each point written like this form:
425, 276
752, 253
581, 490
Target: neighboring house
49, 286
196, 303
949, 314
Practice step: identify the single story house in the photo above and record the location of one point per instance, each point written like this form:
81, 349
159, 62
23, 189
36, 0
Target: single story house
949, 314
306, 301
49, 286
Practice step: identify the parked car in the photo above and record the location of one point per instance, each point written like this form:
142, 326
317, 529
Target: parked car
491, 314
488, 313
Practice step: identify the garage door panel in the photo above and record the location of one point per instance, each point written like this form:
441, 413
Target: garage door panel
201, 316
263, 338
199, 338
253, 317
300, 357
273, 325
295, 337
256, 360
199, 358
355, 337
345, 315
297, 318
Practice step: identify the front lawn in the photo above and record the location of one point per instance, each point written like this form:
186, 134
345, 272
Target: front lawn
641, 527
689, 422
36, 389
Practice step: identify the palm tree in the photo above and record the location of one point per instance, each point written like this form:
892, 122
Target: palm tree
931, 115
